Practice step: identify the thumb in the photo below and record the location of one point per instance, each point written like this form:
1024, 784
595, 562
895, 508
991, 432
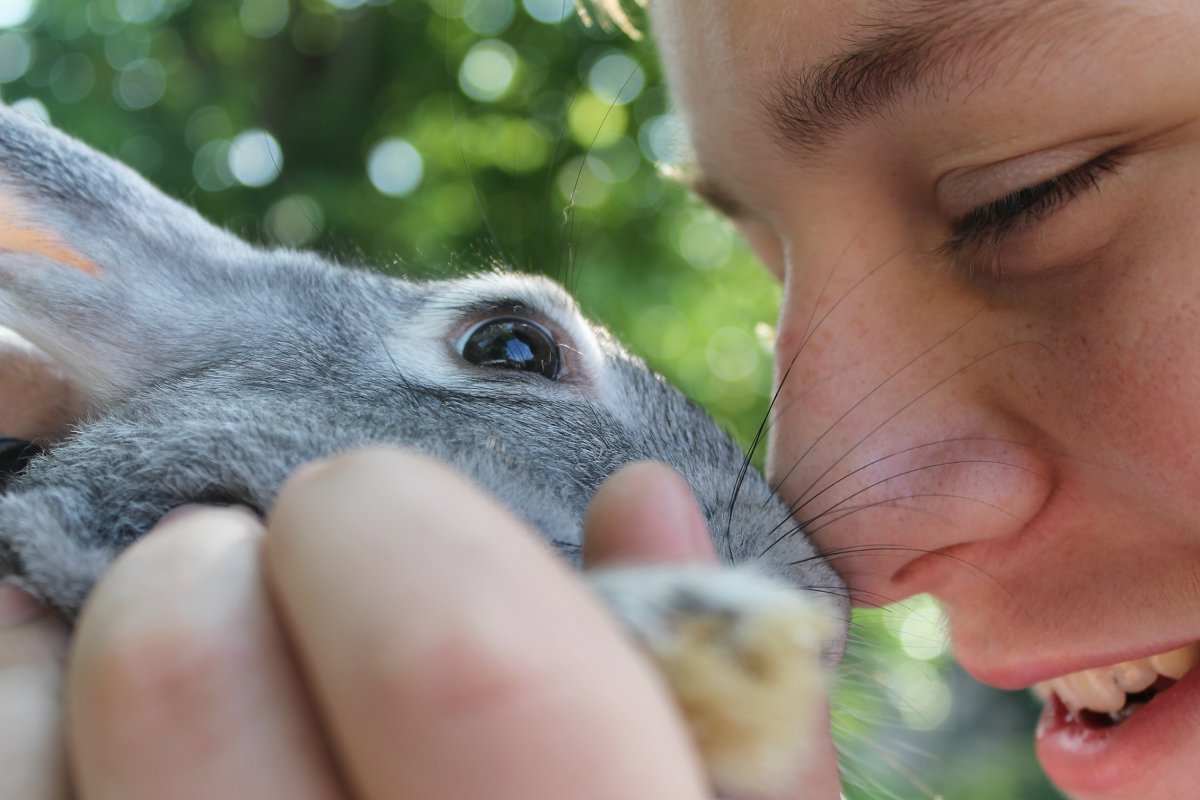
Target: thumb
645, 511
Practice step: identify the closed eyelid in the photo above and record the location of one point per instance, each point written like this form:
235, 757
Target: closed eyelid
963, 190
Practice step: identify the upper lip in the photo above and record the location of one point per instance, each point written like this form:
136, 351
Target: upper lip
1022, 675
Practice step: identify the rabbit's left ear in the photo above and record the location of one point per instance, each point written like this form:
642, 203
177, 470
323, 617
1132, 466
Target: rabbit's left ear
97, 267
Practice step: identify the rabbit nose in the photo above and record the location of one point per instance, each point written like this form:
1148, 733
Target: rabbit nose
891, 436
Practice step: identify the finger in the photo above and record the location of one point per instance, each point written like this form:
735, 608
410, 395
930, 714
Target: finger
453, 655
37, 401
180, 684
33, 763
646, 512
819, 778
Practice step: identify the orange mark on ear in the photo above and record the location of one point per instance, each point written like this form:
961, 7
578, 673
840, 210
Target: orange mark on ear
18, 239
19, 236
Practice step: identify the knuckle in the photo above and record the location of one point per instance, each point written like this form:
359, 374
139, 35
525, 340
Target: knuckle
463, 675
153, 663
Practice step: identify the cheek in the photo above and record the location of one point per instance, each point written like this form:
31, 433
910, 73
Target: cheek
1133, 392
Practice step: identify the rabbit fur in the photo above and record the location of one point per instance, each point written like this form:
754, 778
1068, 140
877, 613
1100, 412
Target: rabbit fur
210, 369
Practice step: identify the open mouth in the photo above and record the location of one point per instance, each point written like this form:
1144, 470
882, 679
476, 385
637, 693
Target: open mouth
1105, 697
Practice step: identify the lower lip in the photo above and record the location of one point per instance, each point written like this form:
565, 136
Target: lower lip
1099, 761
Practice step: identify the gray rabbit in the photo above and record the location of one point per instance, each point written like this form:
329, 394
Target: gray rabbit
211, 369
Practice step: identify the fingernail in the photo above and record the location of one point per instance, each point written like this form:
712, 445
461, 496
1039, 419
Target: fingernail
17, 606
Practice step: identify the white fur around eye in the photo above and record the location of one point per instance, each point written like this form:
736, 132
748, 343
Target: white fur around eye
428, 345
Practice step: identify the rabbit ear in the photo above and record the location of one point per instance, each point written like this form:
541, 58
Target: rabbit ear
97, 266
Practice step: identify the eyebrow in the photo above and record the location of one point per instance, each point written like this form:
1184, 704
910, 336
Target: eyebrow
923, 45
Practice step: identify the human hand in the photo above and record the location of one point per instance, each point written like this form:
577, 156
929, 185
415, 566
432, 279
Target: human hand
448, 656
190, 678
35, 399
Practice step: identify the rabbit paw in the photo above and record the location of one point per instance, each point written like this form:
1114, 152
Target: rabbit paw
741, 653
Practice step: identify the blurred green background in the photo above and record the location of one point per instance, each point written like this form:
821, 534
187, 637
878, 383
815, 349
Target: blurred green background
432, 136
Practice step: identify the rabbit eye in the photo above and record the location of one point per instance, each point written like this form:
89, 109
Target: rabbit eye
511, 343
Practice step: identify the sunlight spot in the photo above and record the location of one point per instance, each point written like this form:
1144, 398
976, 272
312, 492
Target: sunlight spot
210, 167
766, 334
255, 158
489, 17
664, 140
922, 628
732, 354
16, 12
72, 78
395, 167
141, 84
15, 56
488, 71
616, 78
139, 11
294, 220
551, 12
919, 695
580, 185
595, 122
263, 18
705, 241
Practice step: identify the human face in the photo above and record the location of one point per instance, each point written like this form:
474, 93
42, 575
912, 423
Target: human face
990, 378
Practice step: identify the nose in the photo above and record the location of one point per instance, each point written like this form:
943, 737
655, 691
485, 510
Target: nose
898, 430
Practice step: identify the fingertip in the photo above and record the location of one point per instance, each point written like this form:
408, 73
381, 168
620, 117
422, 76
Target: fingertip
646, 511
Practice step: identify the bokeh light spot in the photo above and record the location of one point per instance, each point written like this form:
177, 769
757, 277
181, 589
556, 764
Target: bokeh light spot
263, 18
210, 167
255, 157
16, 12
488, 70
580, 185
732, 354
664, 140
705, 241
616, 78
139, 11
395, 167
294, 220
551, 12
140, 84
922, 628
72, 77
489, 17
15, 56
594, 122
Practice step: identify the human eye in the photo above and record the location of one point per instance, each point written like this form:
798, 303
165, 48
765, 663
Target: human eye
982, 233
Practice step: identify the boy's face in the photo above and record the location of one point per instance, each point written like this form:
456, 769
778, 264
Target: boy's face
986, 214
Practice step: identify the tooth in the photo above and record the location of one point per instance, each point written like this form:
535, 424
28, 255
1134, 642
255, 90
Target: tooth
1065, 690
1134, 676
1176, 663
1098, 691
1043, 690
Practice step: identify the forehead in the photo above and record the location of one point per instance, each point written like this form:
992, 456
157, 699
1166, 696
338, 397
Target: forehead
770, 71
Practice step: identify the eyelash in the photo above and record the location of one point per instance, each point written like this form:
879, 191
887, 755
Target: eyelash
987, 226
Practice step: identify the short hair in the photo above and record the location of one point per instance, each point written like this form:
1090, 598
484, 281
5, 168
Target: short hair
608, 14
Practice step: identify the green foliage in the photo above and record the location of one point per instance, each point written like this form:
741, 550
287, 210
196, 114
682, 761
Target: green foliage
452, 135
542, 172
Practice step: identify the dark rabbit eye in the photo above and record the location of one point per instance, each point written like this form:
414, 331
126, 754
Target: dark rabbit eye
511, 343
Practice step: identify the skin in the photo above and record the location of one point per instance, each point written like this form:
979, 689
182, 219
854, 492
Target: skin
1052, 370
222, 657
1063, 533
